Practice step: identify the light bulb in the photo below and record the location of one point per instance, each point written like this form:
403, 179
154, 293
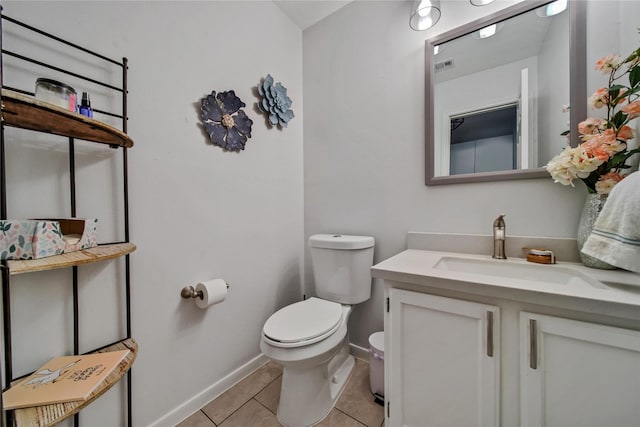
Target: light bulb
556, 7
424, 9
487, 31
552, 8
424, 14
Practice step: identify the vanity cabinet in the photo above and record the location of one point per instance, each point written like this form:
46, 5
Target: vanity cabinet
577, 373
442, 361
473, 341
444, 366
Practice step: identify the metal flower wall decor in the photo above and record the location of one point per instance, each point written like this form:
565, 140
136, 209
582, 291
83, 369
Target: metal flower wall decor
275, 103
225, 123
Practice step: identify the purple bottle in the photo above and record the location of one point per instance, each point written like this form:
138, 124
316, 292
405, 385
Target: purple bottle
85, 105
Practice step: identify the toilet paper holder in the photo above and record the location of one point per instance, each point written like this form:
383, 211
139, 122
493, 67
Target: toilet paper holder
190, 292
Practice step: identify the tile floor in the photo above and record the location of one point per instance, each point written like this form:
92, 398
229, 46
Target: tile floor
254, 400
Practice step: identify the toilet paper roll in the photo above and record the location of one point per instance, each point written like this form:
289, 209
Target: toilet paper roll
213, 292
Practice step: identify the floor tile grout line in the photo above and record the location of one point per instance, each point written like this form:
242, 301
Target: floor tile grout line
353, 418
231, 414
262, 389
268, 384
265, 406
209, 418
241, 406
252, 396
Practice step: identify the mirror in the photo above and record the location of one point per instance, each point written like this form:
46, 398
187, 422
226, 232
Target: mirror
495, 92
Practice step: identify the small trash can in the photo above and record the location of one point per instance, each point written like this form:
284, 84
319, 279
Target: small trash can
376, 365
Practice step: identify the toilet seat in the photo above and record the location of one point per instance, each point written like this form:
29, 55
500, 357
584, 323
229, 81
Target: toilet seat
303, 323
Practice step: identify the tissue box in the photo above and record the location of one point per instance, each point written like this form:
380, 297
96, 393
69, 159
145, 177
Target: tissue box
39, 238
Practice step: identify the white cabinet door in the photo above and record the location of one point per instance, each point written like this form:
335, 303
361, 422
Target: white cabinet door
578, 374
442, 361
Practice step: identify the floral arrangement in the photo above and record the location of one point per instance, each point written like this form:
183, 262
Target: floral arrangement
275, 103
226, 124
601, 157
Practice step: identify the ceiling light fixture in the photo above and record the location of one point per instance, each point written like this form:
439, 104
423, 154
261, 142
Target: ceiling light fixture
552, 8
424, 14
488, 31
480, 2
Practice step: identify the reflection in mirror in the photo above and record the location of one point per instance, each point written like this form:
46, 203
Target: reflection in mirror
496, 91
484, 141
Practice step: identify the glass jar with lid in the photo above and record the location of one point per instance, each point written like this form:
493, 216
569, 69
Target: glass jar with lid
57, 93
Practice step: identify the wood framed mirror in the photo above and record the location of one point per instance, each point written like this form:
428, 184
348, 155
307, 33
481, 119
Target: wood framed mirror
495, 91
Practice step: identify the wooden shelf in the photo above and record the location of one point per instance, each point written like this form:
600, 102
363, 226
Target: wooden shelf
48, 415
21, 110
85, 256
26, 112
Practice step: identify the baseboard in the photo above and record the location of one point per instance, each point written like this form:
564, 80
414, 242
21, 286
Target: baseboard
207, 395
359, 352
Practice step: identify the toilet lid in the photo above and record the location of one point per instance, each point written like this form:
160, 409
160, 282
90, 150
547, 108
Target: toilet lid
303, 322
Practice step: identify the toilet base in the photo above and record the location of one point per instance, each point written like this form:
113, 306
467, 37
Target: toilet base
308, 394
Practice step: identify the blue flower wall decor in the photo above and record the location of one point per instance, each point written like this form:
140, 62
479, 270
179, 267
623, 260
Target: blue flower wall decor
275, 103
225, 123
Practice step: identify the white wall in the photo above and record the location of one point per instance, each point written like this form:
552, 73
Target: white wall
364, 145
196, 212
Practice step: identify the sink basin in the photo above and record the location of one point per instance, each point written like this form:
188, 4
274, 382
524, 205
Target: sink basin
517, 270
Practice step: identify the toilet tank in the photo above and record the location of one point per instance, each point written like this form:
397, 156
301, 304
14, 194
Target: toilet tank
341, 267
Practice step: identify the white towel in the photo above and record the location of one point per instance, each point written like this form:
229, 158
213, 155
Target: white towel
615, 238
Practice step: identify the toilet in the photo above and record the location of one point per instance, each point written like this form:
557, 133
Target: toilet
310, 338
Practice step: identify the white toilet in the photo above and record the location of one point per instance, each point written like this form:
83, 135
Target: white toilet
309, 338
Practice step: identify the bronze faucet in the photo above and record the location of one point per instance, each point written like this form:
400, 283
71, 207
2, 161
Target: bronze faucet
499, 237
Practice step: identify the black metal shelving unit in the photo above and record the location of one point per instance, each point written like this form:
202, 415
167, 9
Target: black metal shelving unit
79, 128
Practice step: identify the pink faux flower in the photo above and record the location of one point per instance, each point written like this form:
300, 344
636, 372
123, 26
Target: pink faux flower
632, 110
599, 99
591, 126
608, 63
625, 132
603, 145
599, 151
607, 182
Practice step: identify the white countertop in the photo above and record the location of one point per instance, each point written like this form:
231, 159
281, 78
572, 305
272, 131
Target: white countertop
422, 268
